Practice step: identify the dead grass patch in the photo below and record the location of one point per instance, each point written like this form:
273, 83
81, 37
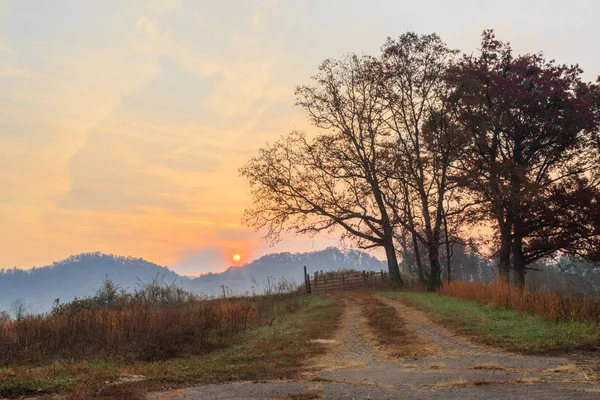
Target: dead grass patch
275, 351
489, 366
454, 383
522, 381
301, 396
390, 329
462, 383
553, 306
436, 366
565, 369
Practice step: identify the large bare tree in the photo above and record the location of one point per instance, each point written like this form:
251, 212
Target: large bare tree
337, 179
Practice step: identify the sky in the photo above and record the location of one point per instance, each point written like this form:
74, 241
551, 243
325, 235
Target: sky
123, 122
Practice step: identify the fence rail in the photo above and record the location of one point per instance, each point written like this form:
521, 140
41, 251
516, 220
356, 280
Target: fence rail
332, 281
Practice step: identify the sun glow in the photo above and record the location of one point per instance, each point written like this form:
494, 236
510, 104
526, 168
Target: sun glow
237, 257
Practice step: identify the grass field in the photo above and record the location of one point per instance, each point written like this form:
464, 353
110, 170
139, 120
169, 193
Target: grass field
509, 329
274, 350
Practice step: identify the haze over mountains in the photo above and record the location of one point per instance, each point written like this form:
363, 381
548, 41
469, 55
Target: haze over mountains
81, 275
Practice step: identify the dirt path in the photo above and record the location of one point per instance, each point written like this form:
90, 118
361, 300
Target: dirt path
357, 366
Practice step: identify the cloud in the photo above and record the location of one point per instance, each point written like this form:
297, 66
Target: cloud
5, 49
123, 122
147, 26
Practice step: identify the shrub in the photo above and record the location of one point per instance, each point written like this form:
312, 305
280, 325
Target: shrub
156, 322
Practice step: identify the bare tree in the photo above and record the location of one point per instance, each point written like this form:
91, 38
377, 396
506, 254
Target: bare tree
4, 317
19, 309
419, 112
338, 179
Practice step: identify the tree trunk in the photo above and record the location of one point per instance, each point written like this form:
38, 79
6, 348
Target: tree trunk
449, 260
392, 259
520, 272
418, 261
435, 280
448, 254
518, 258
504, 261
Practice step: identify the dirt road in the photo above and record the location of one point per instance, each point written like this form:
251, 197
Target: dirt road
434, 363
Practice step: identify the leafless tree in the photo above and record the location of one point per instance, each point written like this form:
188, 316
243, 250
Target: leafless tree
19, 309
419, 112
338, 179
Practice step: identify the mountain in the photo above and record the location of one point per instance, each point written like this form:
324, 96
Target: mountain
282, 265
81, 275
77, 276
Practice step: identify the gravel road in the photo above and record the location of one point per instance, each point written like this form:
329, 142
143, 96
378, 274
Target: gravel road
357, 367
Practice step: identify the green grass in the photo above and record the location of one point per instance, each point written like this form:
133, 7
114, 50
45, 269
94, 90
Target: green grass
504, 328
278, 350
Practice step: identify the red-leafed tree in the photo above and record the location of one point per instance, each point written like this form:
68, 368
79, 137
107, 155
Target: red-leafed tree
533, 158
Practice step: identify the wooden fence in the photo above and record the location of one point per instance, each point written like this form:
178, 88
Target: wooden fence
332, 281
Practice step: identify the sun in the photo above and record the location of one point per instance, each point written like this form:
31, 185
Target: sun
237, 257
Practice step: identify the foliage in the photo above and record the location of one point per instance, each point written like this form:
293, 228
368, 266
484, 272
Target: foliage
418, 148
532, 155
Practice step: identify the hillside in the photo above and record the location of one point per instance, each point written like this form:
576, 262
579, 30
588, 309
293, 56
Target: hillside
77, 276
282, 265
81, 275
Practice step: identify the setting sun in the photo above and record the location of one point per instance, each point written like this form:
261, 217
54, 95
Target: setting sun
236, 257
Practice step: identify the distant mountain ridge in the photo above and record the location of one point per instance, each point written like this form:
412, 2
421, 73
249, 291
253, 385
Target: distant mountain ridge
81, 275
76, 276
282, 265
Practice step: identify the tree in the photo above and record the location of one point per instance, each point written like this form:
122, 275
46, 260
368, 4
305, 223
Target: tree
19, 309
338, 179
108, 293
4, 317
419, 111
532, 157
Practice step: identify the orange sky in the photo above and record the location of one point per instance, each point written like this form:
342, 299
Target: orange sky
123, 122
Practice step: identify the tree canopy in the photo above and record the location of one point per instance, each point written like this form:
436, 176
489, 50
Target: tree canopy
416, 144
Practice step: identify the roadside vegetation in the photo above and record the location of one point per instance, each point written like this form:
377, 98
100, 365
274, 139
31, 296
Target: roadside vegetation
496, 325
160, 337
566, 306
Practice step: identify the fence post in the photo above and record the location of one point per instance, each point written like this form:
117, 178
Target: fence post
382, 276
316, 278
364, 277
306, 281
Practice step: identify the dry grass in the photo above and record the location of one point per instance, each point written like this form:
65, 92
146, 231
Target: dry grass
129, 392
509, 329
82, 350
271, 351
389, 328
460, 383
565, 369
301, 396
523, 381
551, 305
436, 366
157, 322
489, 366
135, 331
